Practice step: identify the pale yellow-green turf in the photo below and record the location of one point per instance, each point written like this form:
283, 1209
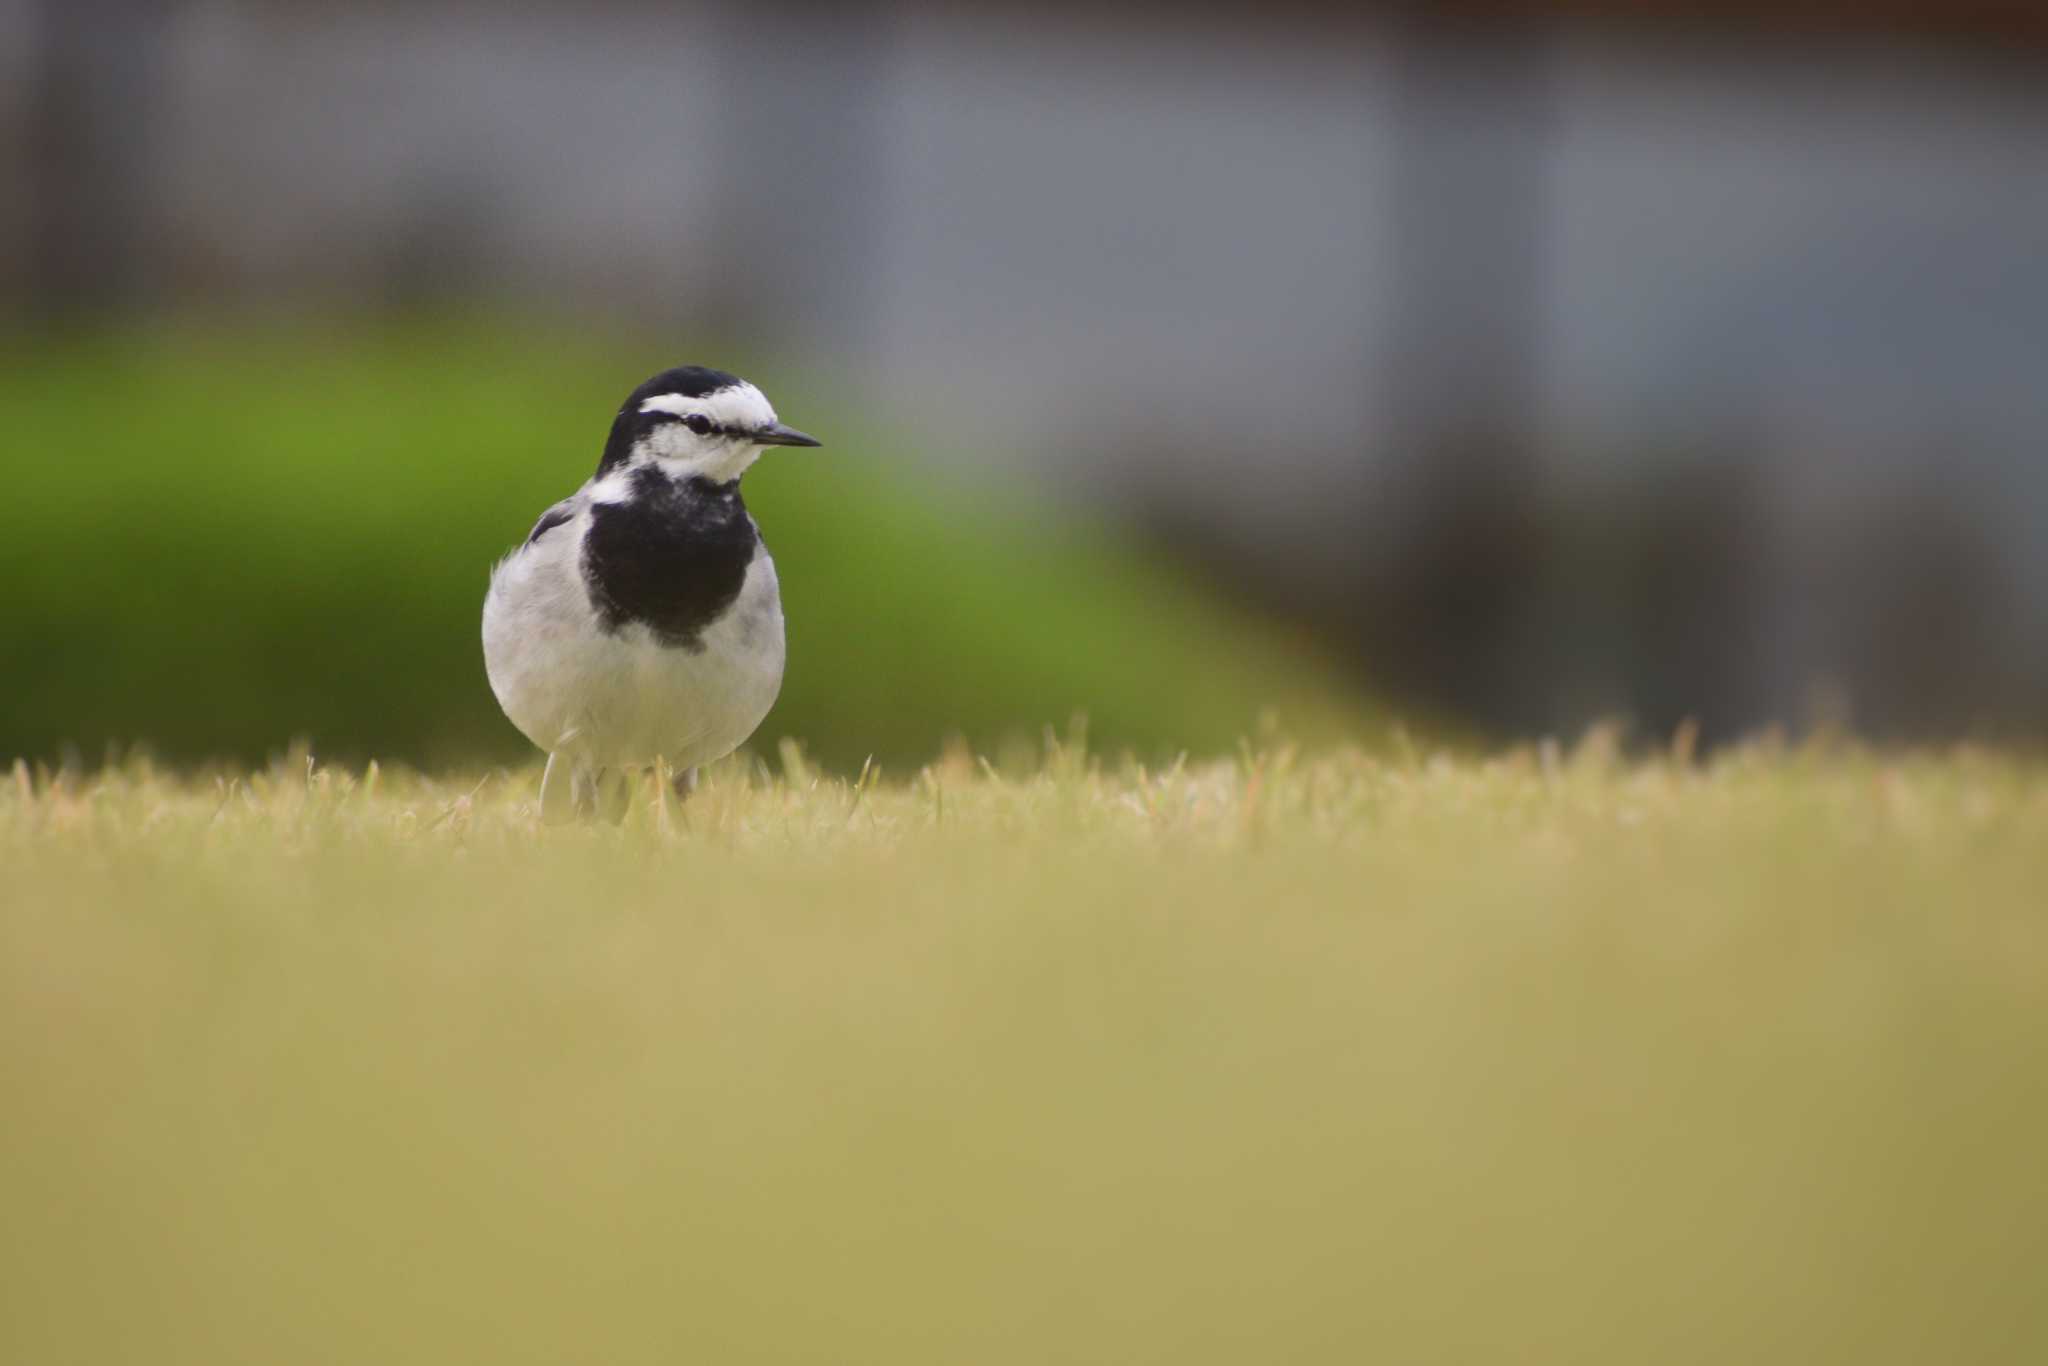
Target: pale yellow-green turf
1534, 1058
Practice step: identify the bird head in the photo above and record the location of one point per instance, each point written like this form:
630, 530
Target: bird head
696, 423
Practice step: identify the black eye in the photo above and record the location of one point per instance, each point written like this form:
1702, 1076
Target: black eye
698, 423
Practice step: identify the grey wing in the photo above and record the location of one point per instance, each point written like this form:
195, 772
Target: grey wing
553, 517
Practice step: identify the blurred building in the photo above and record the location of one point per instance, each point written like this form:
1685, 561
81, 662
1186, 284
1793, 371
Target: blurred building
1561, 361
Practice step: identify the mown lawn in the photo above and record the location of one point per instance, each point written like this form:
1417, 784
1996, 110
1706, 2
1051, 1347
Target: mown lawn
1333, 1059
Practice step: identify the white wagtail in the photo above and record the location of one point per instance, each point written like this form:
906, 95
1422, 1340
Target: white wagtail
642, 619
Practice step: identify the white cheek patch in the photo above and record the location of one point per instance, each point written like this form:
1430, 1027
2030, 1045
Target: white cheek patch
674, 441
718, 456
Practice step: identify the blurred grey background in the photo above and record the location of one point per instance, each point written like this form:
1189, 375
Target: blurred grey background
1550, 362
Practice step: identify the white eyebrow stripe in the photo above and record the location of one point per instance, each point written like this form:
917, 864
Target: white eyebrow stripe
737, 407
672, 403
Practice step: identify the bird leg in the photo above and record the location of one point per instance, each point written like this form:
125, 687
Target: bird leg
611, 793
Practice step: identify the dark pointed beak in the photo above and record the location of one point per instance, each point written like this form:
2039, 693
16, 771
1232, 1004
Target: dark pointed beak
779, 435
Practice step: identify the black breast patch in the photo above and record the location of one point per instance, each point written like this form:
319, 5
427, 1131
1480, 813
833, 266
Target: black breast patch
673, 558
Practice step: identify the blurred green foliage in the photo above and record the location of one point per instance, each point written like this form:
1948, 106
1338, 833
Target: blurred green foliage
215, 541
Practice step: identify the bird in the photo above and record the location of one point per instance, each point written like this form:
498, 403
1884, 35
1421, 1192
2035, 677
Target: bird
641, 619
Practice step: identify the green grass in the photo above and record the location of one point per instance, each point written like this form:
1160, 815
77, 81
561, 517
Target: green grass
1340, 1059
217, 540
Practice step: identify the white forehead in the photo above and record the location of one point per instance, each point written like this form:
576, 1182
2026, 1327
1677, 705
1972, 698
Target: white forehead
739, 405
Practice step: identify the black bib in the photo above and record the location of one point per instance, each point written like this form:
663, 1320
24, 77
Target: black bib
672, 559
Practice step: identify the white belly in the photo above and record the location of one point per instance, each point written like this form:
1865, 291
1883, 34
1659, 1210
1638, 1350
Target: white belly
623, 700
